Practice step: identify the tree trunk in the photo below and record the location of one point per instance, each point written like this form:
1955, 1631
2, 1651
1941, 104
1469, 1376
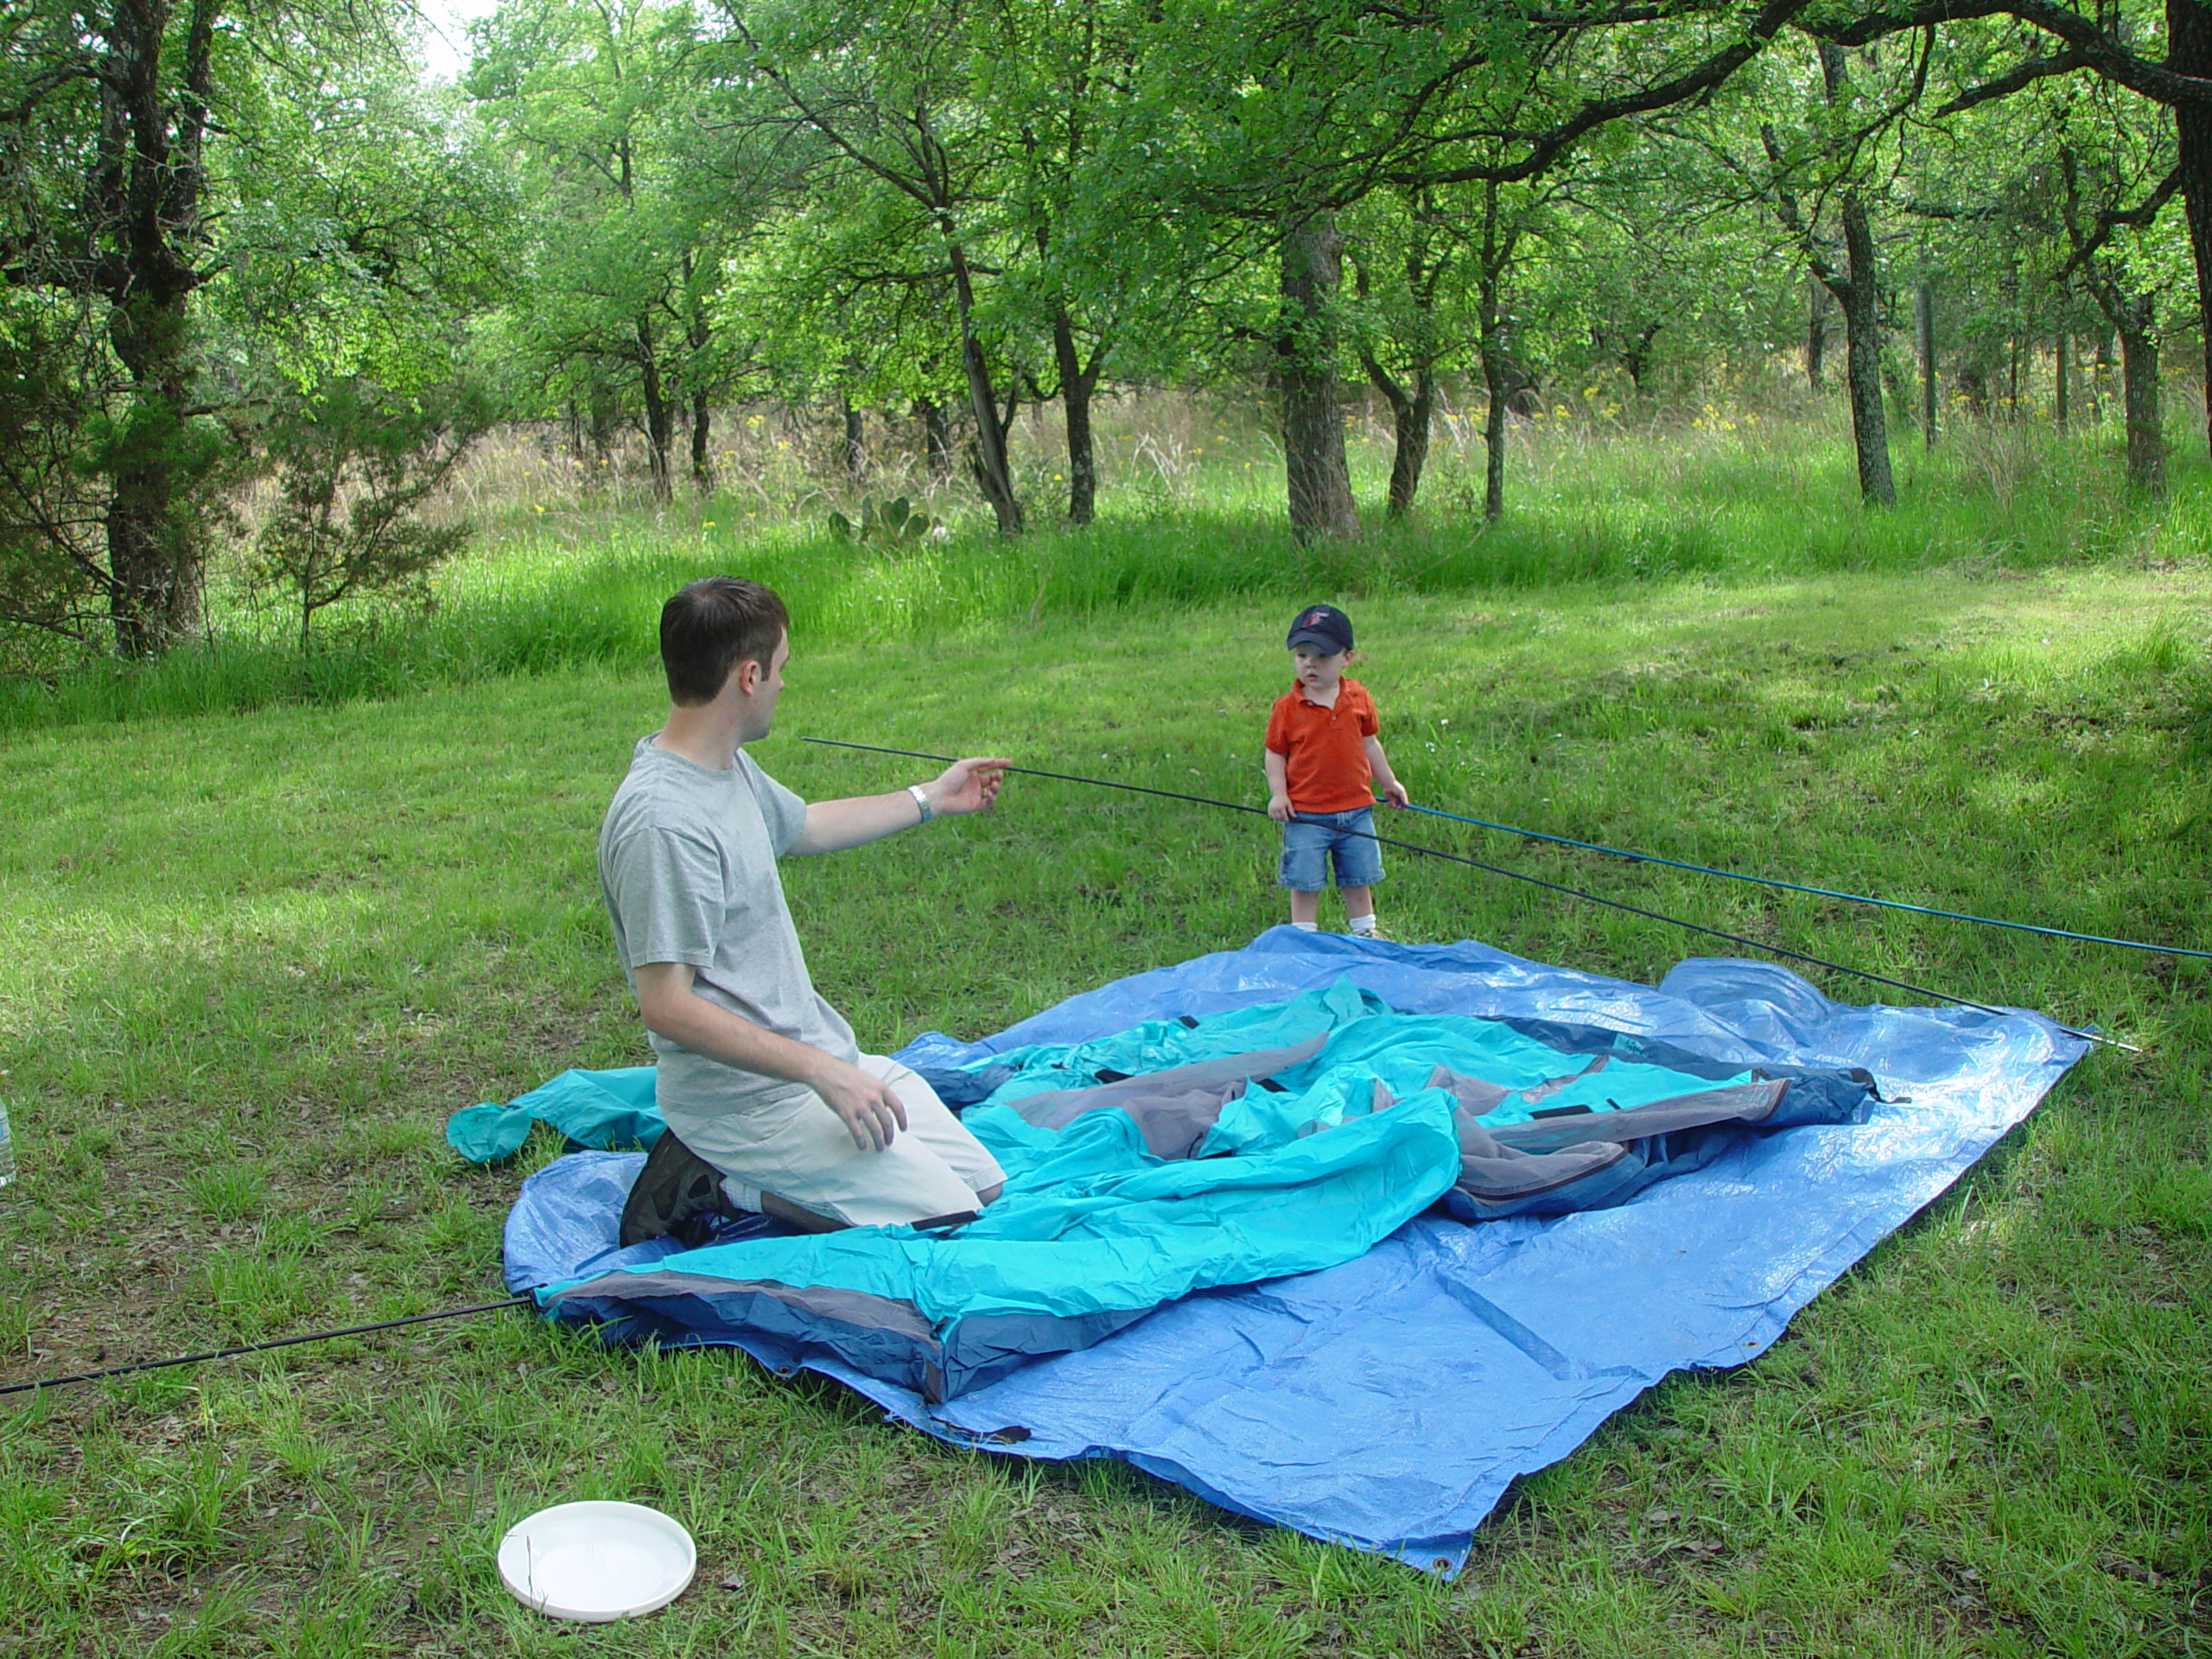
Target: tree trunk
703, 462
2188, 52
698, 334
937, 438
659, 417
1076, 387
1410, 416
1923, 308
855, 442
2138, 371
1317, 474
1862, 330
2062, 380
603, 413
1637, 359
146, 181
1494, 437
1409, 453
994, 473
1816, 336
1857, 291
153, 553
1490, 347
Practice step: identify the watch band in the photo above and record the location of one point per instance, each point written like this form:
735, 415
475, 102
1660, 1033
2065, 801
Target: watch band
921, 801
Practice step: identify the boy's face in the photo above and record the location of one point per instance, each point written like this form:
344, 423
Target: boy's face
1317, 669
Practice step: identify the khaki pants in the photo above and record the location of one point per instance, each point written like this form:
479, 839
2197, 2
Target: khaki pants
802, 1151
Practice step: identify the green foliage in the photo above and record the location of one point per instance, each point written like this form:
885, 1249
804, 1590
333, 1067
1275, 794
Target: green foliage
634, 214
354, 466
371, 227
274, 203
50, 509
617, 127
894, 521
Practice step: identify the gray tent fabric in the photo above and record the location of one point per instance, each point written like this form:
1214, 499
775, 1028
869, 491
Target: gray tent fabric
1590, 1160
1173, 1108
1742, 1102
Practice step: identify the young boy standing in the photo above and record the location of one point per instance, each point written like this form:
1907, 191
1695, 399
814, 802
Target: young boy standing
1323, 762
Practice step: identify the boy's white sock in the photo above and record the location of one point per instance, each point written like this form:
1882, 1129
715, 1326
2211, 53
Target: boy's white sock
1307, 927
1364, 924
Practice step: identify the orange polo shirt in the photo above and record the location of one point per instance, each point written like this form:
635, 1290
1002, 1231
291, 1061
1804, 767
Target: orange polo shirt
1323, 750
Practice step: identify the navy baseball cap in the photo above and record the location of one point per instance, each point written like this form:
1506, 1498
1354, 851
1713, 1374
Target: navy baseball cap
1321, 625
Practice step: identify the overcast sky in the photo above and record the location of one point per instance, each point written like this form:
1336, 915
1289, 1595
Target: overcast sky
445, 38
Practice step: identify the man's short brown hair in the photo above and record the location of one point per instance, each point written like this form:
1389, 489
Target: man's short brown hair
709, 626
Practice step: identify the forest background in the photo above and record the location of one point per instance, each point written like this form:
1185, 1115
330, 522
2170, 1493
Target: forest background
276, 301
1769, 435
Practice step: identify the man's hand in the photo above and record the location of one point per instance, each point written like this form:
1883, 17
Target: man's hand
966, 786
869, 1109
1278, 808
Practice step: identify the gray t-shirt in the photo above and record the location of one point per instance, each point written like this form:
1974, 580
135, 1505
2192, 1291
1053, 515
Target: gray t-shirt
687, 862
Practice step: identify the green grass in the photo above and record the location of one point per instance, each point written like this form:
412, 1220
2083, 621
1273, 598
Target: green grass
257, 957
1733, 499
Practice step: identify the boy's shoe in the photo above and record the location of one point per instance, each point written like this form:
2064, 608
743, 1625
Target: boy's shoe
1374, 932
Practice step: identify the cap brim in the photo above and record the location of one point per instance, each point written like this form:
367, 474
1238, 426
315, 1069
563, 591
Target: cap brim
1333, 646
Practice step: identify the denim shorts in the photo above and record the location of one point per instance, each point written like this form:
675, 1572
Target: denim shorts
1310, 840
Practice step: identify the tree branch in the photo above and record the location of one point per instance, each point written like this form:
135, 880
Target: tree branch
1544, 146
2100, 48
2112, 219
2023, 74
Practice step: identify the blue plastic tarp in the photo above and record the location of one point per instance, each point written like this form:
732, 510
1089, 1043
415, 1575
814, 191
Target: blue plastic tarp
1387, 1402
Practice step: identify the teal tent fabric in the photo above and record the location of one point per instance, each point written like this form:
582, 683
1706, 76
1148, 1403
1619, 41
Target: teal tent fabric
1283, 1138
1093, 1233
1367, 1042
594, 1108
1157, 1045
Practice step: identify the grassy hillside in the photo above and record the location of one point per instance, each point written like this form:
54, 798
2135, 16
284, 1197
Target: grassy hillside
257, 957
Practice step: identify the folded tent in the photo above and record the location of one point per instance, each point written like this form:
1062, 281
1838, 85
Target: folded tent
1191, 1154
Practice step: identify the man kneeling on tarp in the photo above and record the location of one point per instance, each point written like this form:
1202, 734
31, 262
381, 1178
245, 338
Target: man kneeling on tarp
770, 1106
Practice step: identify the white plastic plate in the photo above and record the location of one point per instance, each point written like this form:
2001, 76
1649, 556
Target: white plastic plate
597, 1562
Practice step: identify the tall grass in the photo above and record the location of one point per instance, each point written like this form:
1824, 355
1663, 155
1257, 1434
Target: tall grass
1191, 516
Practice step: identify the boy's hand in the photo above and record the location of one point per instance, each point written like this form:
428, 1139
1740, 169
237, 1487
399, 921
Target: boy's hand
1395, 792
1278, 808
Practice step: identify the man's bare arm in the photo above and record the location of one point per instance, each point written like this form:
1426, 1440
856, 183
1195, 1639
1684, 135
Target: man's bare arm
867, 1107
964, 786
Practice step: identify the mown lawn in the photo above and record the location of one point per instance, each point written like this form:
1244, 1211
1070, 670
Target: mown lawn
255, 959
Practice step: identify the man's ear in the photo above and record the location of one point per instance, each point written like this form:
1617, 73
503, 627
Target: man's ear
745, 676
